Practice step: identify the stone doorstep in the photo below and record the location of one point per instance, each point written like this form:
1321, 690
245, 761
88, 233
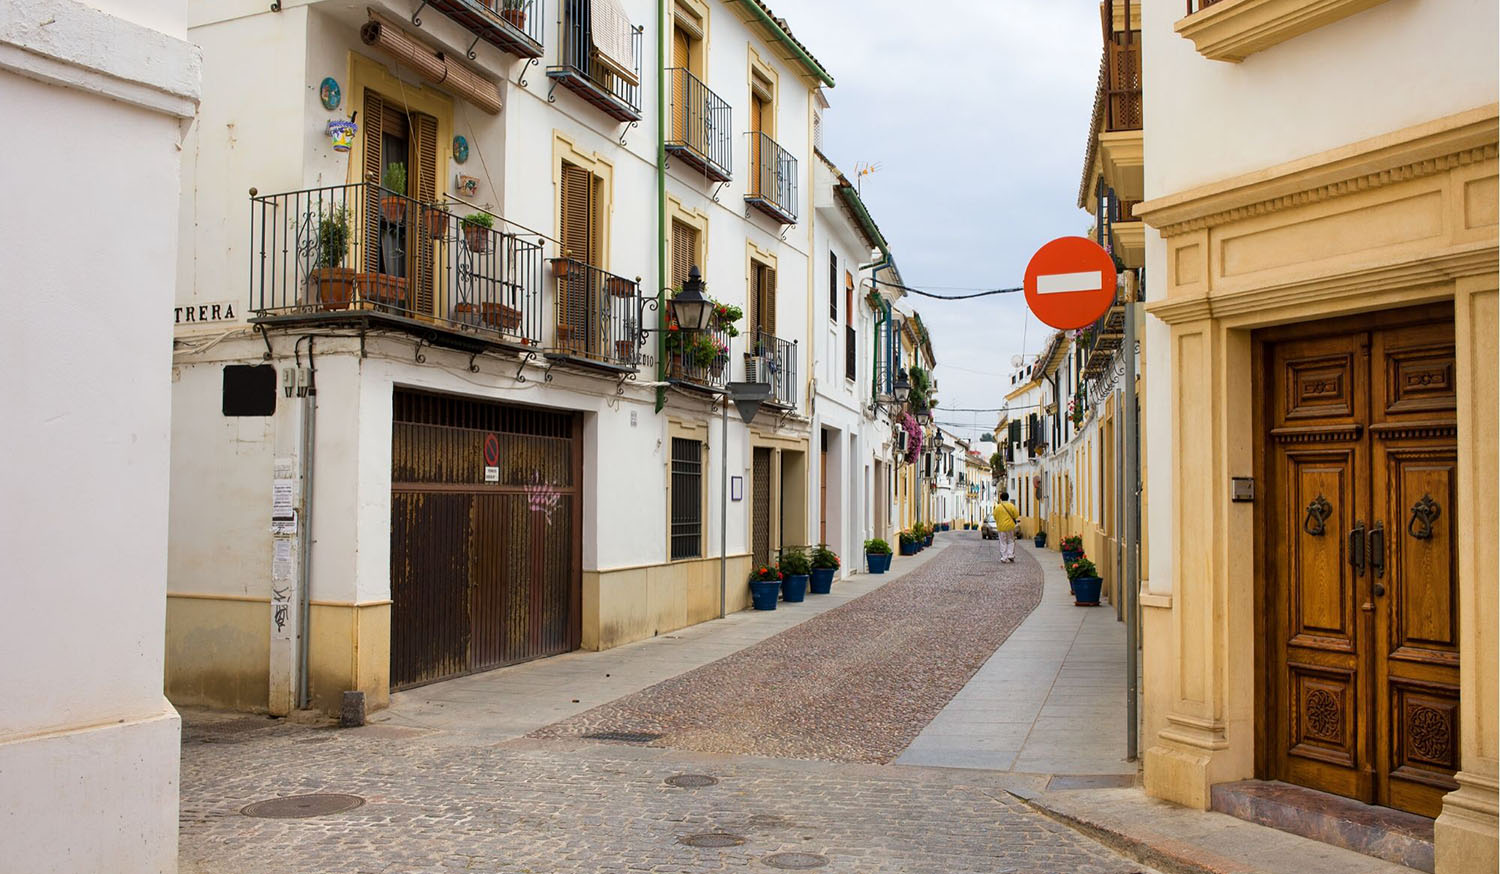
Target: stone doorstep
1393, 835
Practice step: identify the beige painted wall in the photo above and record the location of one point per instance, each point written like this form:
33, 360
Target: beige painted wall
622, 606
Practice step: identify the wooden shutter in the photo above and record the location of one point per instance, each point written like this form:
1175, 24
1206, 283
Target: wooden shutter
681, 55
684, 249
577, 234
425, 179
833, 287
763, 298
374, 126
757, 121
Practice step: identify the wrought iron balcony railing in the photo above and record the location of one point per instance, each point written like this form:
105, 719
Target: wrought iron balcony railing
773, 360
689, 361
700, 129
773, 179
514, 26
360, 247
580, 70
598, 315
1198, 5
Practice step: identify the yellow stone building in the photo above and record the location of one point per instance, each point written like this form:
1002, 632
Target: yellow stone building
1321, 276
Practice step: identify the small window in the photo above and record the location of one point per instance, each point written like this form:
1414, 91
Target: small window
687, 498
833, 287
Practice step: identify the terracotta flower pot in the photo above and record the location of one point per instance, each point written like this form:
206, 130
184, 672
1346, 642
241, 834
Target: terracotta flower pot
437, 223
477, 238
619, 286
561, 267
515, 18
394, 209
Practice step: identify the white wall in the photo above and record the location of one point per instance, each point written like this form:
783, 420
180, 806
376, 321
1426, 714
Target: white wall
88, 744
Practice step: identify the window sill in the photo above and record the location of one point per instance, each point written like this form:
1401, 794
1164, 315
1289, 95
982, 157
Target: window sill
1232, 30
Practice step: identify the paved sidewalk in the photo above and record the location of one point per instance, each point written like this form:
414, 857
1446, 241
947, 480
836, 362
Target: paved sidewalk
515, 701
1051, 700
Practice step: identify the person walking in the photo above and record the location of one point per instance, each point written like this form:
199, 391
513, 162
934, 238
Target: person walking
1006, 517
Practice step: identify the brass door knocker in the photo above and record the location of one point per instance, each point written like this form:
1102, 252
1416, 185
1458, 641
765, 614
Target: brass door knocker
1423, 514
1318, 512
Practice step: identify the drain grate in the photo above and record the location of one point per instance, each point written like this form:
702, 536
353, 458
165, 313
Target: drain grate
712, 840
629, 737
691, 781
301, 806
795, 861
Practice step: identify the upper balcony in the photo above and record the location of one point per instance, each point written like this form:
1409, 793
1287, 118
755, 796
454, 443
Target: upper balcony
699, 133
773, 360
1121, 145
362, 254
513, 26
1222, 30
698, 360
598, 317
773, 179
593, 63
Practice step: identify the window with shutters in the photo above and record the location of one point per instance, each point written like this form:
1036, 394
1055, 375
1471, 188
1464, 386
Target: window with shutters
578, 208
396, 136
684, 252
687, 498
833, 287
762, 297
851, 354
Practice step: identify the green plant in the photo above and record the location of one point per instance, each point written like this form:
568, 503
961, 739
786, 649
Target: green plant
909, 538
823, 557
1082, 568
703, 349
764, 574
726, 314
997, 465
1071, 544
394, 178
877, 547
920, 397
794, 561
333, 238
479, 219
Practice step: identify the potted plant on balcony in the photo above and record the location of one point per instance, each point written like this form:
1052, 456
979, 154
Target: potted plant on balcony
331, 283
1072, 548
794, 568
437, 221
562, 266
765, 585
476, 227
877, 556
514, 13
1084, 579
909, 541
725, 315
825, 563
619, 286
392, 201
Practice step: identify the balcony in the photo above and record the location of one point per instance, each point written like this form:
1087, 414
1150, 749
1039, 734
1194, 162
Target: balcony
699, 361
513, 26
359, 254
774, 360
773, 179
1233, 31
598, 317
1121, 145
584, 71
699, 133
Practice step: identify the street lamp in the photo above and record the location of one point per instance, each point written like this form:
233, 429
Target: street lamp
689, 308
902, 388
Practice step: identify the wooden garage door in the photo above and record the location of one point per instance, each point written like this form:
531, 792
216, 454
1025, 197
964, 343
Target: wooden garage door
486, 539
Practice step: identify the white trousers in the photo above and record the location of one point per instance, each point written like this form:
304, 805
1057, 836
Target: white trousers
1008, 545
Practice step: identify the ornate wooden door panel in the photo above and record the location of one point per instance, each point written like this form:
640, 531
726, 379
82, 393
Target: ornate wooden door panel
1363, 685
1414, 566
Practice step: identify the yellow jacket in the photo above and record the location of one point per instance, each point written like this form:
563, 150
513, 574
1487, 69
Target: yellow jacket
1006, 516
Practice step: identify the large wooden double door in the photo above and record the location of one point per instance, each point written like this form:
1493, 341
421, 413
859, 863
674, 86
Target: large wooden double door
1362, 618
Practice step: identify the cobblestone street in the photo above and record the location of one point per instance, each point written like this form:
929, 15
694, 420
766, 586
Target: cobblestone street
437, 800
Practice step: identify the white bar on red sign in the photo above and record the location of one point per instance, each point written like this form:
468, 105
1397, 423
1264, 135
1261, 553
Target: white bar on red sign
1061, 283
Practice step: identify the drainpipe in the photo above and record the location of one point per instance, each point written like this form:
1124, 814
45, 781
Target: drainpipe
661, 199
305, 532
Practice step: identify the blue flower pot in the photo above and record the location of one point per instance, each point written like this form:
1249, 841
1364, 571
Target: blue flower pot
1040, 540
907, 549
928, 541
878, 563
793, 587
1070, 556
821, 580
1086, 591
763, 594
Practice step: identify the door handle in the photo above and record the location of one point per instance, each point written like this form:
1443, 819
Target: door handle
1377, 551
1357, 548
1423, 514
1318, 511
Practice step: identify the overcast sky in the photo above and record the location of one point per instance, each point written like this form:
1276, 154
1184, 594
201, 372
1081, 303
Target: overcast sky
978, 113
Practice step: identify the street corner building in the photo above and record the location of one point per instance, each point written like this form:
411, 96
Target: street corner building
454, 424
1319, 604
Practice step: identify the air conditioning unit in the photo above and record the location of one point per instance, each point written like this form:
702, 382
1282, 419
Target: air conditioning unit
757, 369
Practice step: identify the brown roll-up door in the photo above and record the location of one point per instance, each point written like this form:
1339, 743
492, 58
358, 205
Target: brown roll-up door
430, 65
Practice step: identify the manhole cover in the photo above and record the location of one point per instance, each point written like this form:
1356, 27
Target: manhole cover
795, 861
630, 737
712, 840
767, 820
298, 806
691, 781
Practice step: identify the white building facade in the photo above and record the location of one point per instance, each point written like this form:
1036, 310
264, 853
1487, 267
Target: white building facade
89, 745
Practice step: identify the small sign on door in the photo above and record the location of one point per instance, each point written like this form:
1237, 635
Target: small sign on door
491, 474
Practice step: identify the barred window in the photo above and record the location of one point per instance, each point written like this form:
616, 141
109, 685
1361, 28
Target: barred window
687, 498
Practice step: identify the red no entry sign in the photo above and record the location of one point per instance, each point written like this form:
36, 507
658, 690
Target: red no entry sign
1070, 282
491, 450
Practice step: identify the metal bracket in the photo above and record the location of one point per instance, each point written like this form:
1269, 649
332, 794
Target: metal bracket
521, 80
620, 383
785, 229
552, 92
528, 357
276, 7
362, 329
422, 341
626, 131
474, 368
718, 188
470, 51
547, 374
261, 329
414, 19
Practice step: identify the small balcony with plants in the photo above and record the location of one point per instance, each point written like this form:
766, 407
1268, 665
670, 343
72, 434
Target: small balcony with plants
513, 26
773, 179
598, 317
364, 255
699, 130
600, 65
1121, 144
770, 359
701, 359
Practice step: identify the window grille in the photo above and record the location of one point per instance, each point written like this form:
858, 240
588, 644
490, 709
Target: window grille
687, 498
